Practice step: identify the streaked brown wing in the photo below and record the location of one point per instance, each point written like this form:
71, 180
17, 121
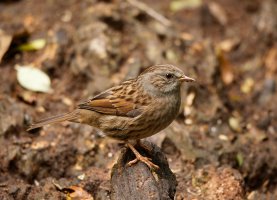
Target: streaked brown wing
109, 103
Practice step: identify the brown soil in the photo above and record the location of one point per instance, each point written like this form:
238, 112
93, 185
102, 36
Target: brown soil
223, 144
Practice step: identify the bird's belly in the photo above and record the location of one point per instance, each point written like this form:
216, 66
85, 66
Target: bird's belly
147, 126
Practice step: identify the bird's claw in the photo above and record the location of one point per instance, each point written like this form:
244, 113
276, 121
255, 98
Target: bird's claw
145, 160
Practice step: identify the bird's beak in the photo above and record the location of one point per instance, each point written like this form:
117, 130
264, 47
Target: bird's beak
186, 79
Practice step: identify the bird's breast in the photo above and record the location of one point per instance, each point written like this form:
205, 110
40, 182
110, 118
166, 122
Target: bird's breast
168, 109
157, 117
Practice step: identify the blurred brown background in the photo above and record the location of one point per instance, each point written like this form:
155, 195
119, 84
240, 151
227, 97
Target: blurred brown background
223, 144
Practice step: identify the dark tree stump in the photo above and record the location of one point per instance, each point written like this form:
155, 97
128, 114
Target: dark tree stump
138, 181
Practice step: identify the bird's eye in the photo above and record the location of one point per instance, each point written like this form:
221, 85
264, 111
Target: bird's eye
169, 76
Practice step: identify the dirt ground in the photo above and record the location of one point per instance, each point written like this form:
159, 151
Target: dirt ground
221, 146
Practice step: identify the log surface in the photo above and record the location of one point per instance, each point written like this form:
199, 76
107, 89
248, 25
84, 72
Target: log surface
138, 181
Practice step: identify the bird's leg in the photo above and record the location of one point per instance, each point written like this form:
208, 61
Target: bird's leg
144, 146
141, 158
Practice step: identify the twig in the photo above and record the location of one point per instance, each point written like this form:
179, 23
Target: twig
151, 12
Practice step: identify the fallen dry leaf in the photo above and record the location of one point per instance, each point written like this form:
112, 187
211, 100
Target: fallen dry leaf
177, 5
33, 45
33, 79
234, 123
38, 145
74, 192
218, 12
229, 44
247, 85
5, 41
79, 194
226, 69
270, 60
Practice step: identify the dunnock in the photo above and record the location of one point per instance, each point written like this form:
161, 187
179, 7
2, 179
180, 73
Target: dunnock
133, 110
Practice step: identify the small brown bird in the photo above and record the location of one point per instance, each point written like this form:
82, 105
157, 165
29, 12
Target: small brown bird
135, 109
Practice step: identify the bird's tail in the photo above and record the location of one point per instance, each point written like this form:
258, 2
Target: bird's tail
72, 116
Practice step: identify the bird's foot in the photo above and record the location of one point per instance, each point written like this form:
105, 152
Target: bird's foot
141, 158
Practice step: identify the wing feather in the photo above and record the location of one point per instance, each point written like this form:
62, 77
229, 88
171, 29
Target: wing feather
110, 103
